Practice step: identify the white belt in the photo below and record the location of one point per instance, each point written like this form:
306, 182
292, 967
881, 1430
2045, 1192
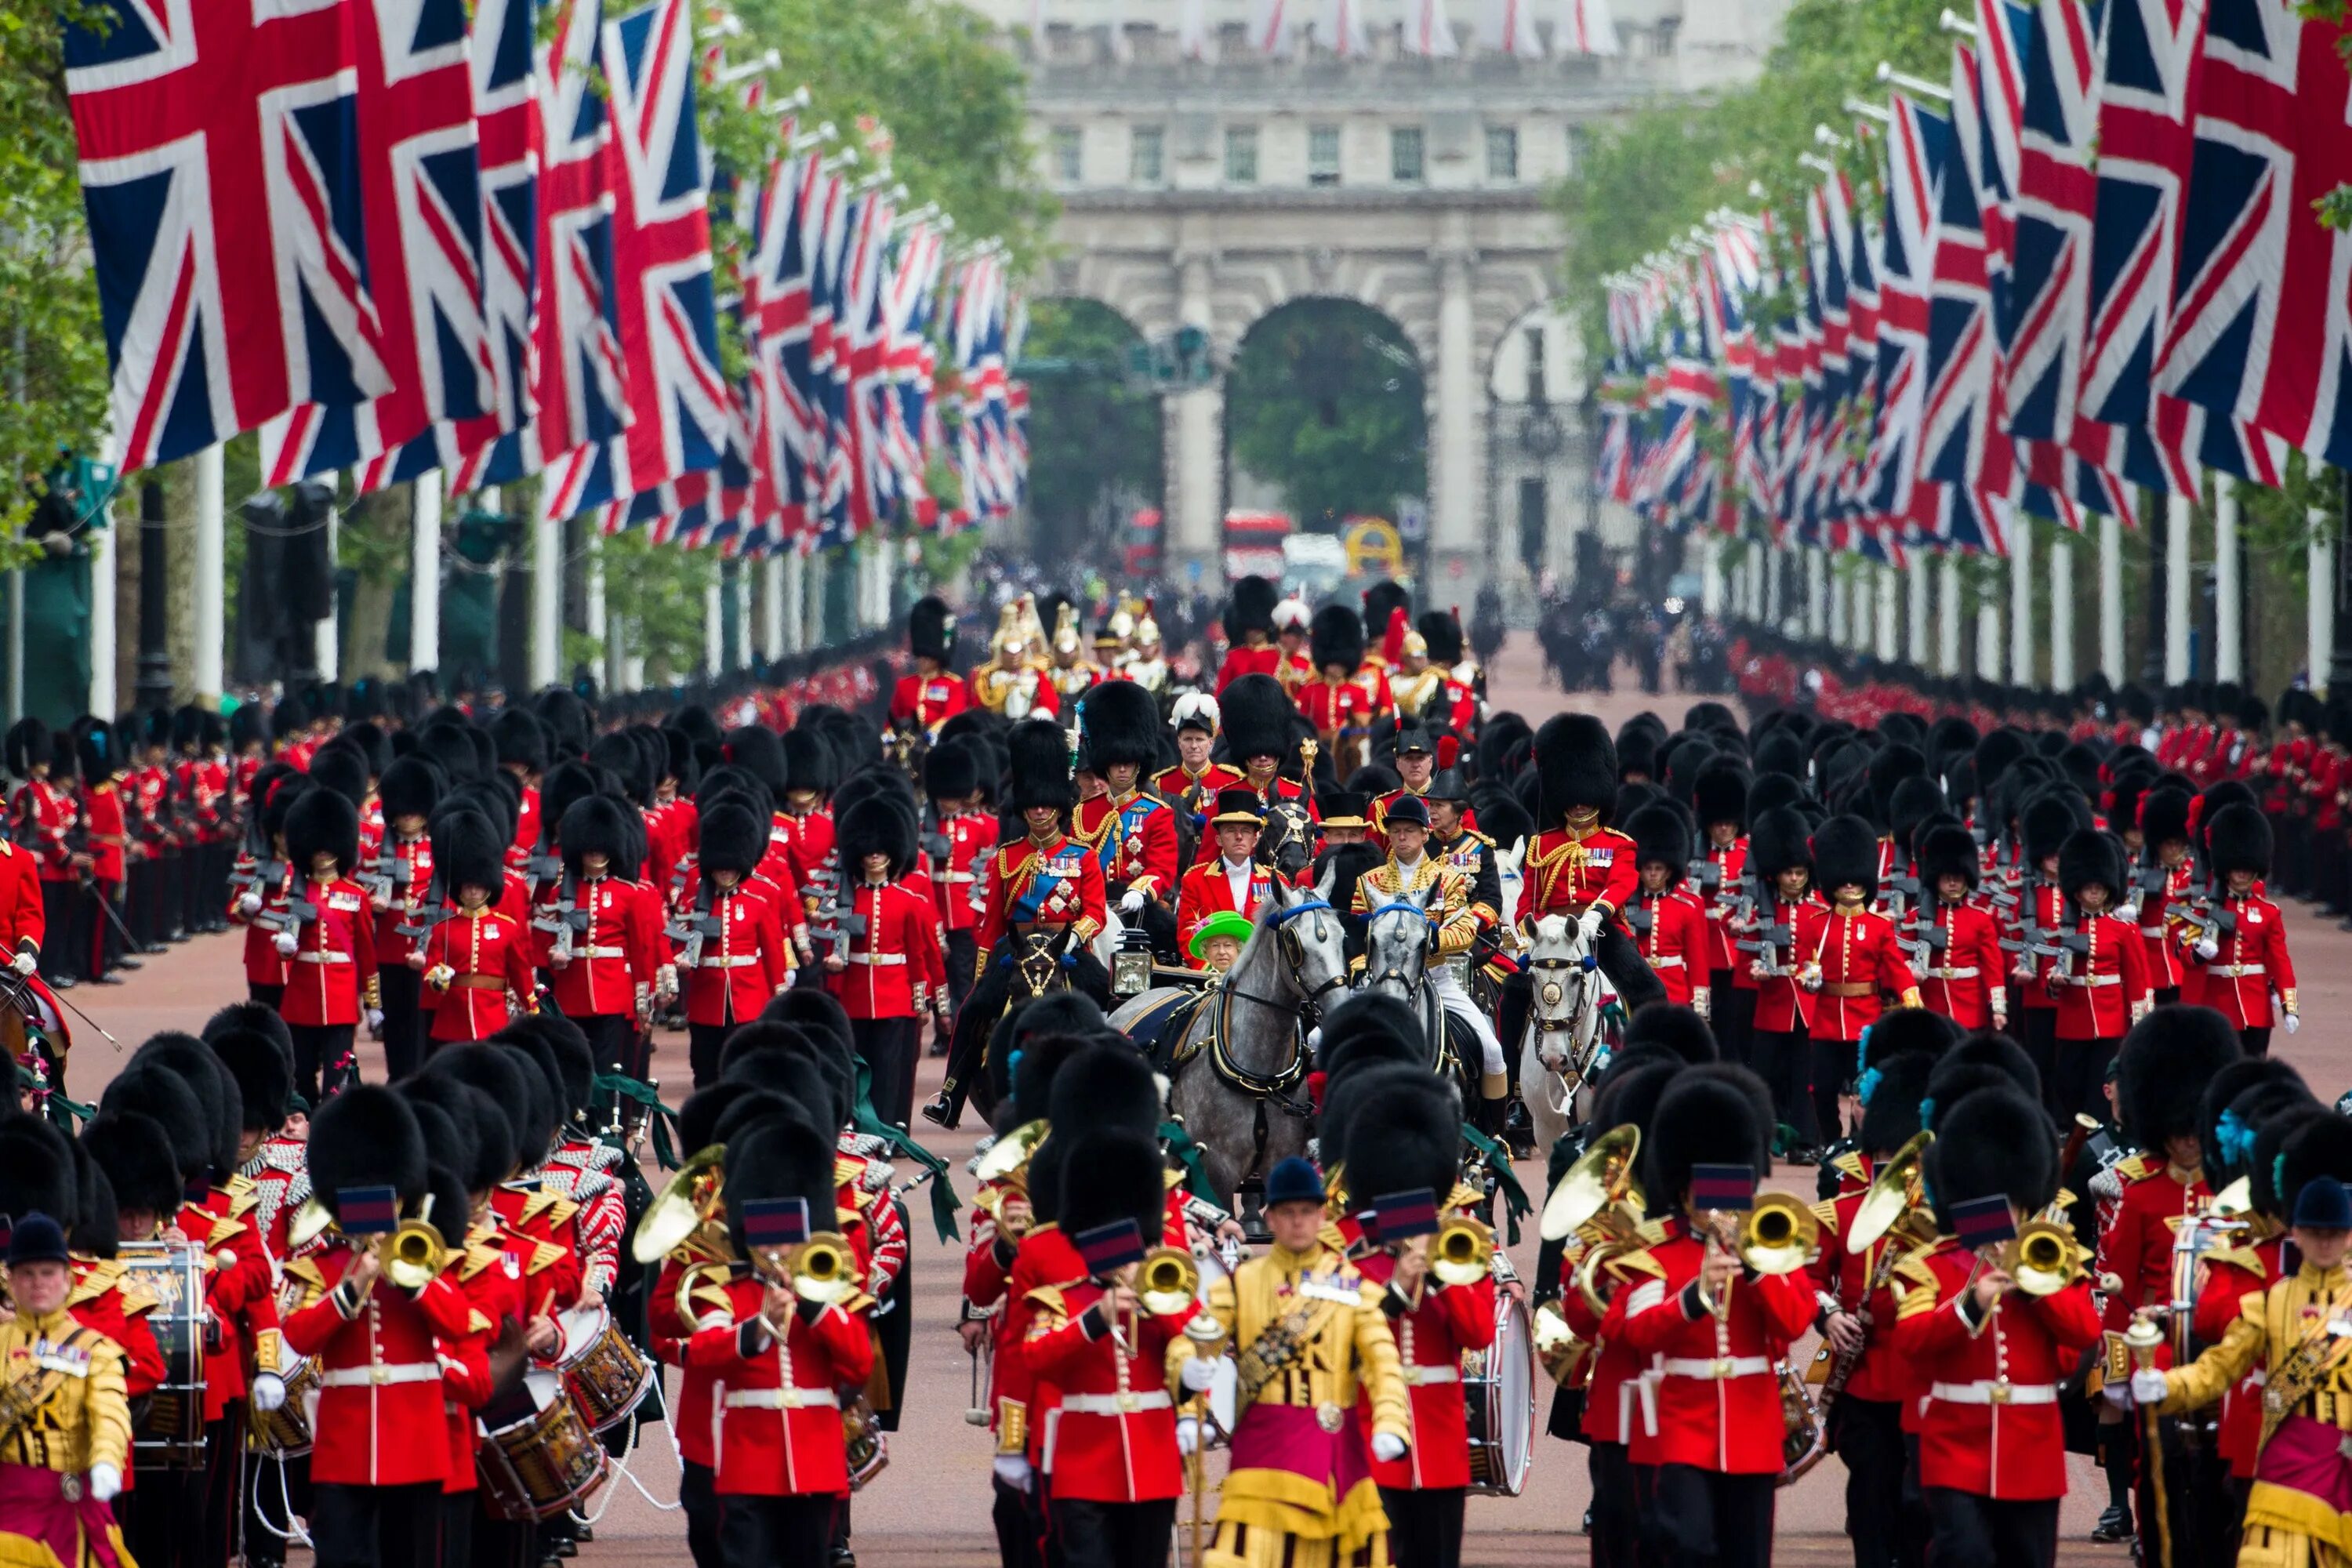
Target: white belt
783, 1399
881, 960
2092, 981
1114, 1404
955, 877
2151, 931
600, 953
1643, 1386
380, 1376
1716, 911
740, 961
1421, 1376
308, 955
1986, 1391
1665, 963
2235, 970
1964, 971
1719, 1368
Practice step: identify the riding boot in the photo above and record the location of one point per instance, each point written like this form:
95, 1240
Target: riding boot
1494, 1103
968, 1049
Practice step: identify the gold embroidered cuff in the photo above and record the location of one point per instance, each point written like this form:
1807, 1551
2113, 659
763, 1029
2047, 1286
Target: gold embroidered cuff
2287, 998
1012, 1426
265, 1351
1911, 997
375, 992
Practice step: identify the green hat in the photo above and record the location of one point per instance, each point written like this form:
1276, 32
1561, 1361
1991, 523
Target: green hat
1225, 922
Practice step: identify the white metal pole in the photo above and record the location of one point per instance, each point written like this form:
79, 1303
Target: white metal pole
1832, 581
546, 588
796, 594
330, 631
102, 615
2319, 597
1989, 644
2020, 601
2062, 615
771, 605
2177, 513
211, 587
2228, 636
1710, 574
1770, 564
1817, 584
424, 571
1947, 614
1916, 580
1889, 646
2111, 598
713, 627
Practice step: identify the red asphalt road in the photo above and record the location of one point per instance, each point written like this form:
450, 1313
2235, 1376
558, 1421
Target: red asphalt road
931, 1507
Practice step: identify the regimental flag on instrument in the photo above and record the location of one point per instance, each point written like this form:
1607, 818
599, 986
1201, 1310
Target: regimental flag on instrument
1107, 1248
1399, 1216
1984, 1222
773, 1222
1728, 1188
367, 1211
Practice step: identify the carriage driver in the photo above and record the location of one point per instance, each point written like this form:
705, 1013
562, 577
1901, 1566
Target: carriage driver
1446, 897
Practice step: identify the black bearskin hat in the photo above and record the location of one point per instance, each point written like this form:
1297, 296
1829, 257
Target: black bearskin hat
1576, 763
1904, 1031
1111, 1174
1107, 1086
468, 851
1031, 1082
727, 838
1382, 601
2164, 814
1914, 801
760, 751
1948, 852
1660, 833
779, 1157
594, 825
1845, 851
1720, 795
1994, 1142
410, 787
812, 763
1120, 723
2239, 840
514, 1085
878, 826
1720, 1114
2162, 1070
36, 1170
2242, 1084
1405, 1141
2090, 856
1367, 1028
2048, 818
1335, 637
932, 628
189, 1059
1980, 1060
1778, 841
1677, 1029
950, 771
2319, 1146
264, 1078
1890, 1116
342, 767
133, 1150
151, 1091
564, 1044
1257, 713
323, 822
1250, 608
366, 1137
1041, 766
27, 746
1441, 634
521, 738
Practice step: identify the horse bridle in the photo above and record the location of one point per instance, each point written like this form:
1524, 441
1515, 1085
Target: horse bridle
1294, 951
1540, 967
1398, 906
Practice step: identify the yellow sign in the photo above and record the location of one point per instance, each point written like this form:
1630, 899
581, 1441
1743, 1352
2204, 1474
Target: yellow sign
1374, 548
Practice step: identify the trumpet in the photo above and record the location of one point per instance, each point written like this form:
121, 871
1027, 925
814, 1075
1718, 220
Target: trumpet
1167, 1282
415, 1253
688, 1201
820, 1269
1602, 1176
1778, 1234
2044, 1259
1462, 1252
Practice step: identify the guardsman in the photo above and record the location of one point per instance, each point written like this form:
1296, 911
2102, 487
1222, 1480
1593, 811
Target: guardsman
398, 884
328, 940
376, 1474
1667, 923
1387, 616
599, 937
522, 744
2241, 953
1848, 958
1293, 625
1714, 1328
963, 835
1779, 860
2034, 919
2167, 1062
1043, 905
1334, 700
1190, 784
1993, 1445
1308, 1337
887, 971
262, 879
670, 1322
1453, 702
107, 837
1130, 830
1719, 871
1116, 1472
807, 802
2165, 878
783, 1349
1249, 634
203, 782
1957, 950
731, 949
2100, 978
477, 964
269, 1162
932, 694
1577, 865
64, 1452
41, 816
1234, 881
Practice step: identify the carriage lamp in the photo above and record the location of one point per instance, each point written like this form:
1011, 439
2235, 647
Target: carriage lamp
1131, 965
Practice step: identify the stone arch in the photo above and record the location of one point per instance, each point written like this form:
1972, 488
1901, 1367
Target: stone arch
1407, 367
1103, 448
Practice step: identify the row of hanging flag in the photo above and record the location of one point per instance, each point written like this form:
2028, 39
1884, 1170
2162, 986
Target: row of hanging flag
2100, 262
397, 237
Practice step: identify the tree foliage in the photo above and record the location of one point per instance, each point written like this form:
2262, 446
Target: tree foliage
1325, 401
1092, 433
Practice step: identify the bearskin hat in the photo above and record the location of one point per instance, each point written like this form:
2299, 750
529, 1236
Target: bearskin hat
1111, 1174
727, 838
278, 793
810, 761
1660, 833
1677, 1029
950, 771
2164, 814
2318, 1146
2241, 1086
1257, 713
1719, 1113
187, 1058
2049, 818
760, 751
1895, 763
1382, 601
514, 1086
2162, 1070
133, 1151
27, 746
1845, 852
1250, 608
1914, 801
2264, 1168
153, 1090
1982, 1058
565, 1044
1029, 1081
341, 766
468, 851
94, 750
1121, 722
1637, 752
1407, 1139
1576, 763
1720, 795
1993, 1143
1107, 1086
410, 787
877, 825
1629, 1094
486, 1152
779, 1157
1890, 1108
1779, 840
366, 1137
2238, 838
1335, 637
36, 1170
1948, 852
1041, 766
1908, 1031
2088, 856
932, 628
1441, 635
1366, 1028
594, 825
323, 823
263, 1076
520, 738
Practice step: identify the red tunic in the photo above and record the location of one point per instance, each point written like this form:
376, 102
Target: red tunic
332, 969
1054, 885
1730, 862
1135, 836
2251, 964
1782, 1007
780, 1413
22, 922
1675, 940
894, 964
476, 961
1112, 1437
1856, 961
1718, 1396
380, 1410
2137, 1247
969, 836
1244, 659
101, 810
1569, 874
929, 699
1839, 1271
46, 815
1963, 978
741, 963
2099, 990
614, 956
1205, 891
1431, 1337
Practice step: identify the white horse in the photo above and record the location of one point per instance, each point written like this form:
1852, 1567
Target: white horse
1562, 1051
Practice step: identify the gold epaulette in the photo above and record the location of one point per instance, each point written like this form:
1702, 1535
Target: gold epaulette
305, 1270
478, 1258
1464, 1196
102, 1277
2065, 1200
535, 1204
478, 1322
1653, 1232
1169, 1178
137, 1295
1850, 1163
1626, 1265
847, 1170
2245, 1258
2135, 1168
560, 1211
544, 1256
1917, 1289
843, 1219
223, 1229
1826, 1213
1050, 1305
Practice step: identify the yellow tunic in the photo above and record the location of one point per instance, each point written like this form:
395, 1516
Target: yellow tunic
1445, 896
59, 1421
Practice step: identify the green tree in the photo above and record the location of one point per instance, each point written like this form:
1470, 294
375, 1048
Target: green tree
1092, 433
1324, 400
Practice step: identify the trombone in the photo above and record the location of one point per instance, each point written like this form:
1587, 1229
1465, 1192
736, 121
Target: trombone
820, 1270
1775, 1236
1462, 1252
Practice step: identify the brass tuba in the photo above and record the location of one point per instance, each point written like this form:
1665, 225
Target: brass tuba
710, 1271
1602, 1176
691, 1199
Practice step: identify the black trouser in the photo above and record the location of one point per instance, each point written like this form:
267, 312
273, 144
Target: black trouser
2219, 1509
894, 1332
402, 990
1016, 1528
1699, 1518
1732, 1014
163, 1519
2177, 1515
1616, 1509
1985, 1532
61, 959
700, 1503
196, 884
1913, 1529
776, 1531
316, 1048
1425, 1526
276, 1492
612, 1046
502, 1542
886, 1046
376, 1527
224, 1465
456, 1528
2256, 1042
1866, 1435
270, 996
705, 1044
2163, 996
962, 953
1832, 1065
1637, 984
989, 997
1781, 1057
2080, 1083
1131, 1535
2037, 1031
106, 930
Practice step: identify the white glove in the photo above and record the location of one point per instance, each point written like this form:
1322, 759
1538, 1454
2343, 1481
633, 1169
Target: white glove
2148, 1387
2208, 949
105, 1482
1387, 1447
1131, 901
1702, 1003
25, 962
249, 903
1198, 1373
2128, 912
269, 1392
1188, 1436
666, 983
1012, 1470
2290, 1023
1588, 927
375, 1022
2118, 1395
285, 943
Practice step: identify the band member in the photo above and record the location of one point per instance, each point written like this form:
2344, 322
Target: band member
1130, 830
2242, 955
1957, 954
1667, 923
1721, 870
889, 973
598, 936
328, 940
1042, 904
932, 695
397, 884
1334, 701
477, 964
963, 835
1310, 1336
1847, 957
107, 840
64, 1442
1577, 865
782, 1348
2100, 977
1191, 784
1249, 634
733, 955
1234, 882
1992, 1447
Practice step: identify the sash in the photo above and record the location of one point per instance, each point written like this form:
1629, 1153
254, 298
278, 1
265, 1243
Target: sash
1278, 1344
2298, 1373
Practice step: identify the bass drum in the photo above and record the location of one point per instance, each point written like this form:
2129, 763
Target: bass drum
170, 1434
1498, 1390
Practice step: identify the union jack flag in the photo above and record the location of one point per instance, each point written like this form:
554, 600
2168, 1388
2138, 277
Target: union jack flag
220, 171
